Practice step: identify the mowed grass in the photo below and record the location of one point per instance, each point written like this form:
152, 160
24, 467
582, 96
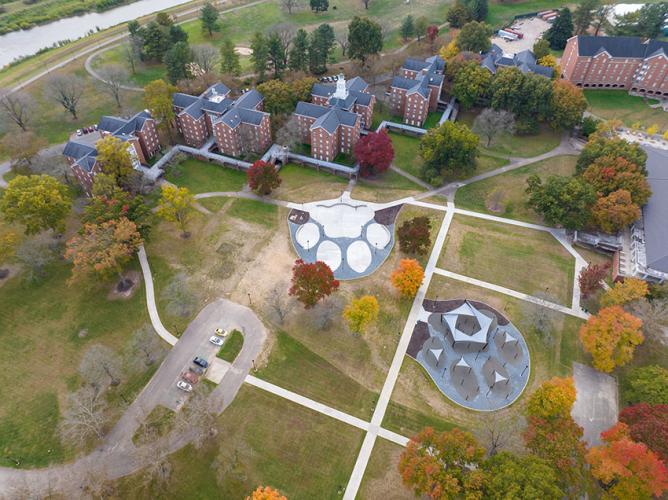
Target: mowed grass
255, 212
381, 476
500, 13
523, 146
204, 177
385, 187
262, 439
303, 184
294, 366
407, 153
518, 258
39, 330
232, 346
408, 422
619, 105
505, 194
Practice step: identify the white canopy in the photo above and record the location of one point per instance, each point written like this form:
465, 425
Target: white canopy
462, 363
466, 309
498, 377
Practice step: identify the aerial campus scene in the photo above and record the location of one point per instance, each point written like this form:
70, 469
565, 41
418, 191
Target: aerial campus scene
333, 249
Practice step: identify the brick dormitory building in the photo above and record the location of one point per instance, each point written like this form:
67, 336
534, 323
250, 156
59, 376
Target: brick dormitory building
415, 92
332, 123
238, 126
617, 62
138, 131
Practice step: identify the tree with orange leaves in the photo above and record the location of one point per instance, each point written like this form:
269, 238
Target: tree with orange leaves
627, 469
266, 493
554, 398
443, 464
611, 337
408, 277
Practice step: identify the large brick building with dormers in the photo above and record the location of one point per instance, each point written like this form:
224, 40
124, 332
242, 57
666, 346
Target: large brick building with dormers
415, 92
238, 126
617, 62
138, 131
332, 123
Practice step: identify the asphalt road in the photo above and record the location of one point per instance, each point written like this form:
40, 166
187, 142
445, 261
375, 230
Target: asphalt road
596, 406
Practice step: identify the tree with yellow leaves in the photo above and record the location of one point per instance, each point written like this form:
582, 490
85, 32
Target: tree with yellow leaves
8, 242
554, 398
611, 337
408, 277
450, 50
361, 313
114, 157
624, 292
266, 493
551, 62
653, 129
176, 205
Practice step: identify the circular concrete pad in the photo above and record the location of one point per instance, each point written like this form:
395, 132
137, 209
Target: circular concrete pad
330, 253
308, 235
359, 256
378, 235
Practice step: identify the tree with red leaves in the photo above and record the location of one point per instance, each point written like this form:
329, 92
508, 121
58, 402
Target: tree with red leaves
627, 469
374, 152
415, 235
648, 424
432, 33
263, 177
443, 464
312, 282
557, 441
591, 278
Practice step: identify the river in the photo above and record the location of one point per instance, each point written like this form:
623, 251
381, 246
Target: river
27, 42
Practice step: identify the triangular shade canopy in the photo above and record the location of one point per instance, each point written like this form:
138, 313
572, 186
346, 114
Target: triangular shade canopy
466, 309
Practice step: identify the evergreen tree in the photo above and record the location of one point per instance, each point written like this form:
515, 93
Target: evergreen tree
176, 59
209, 16
458, 15
561, 30
478, 9
584, 15
156, 41
299, 60
365, 38
319, 5
229, 59
276, 53
407, 28
177, 34
260, 56
322, 42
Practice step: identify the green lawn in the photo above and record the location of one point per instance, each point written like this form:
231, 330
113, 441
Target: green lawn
381, 476
505, 194
232, 346
523, 146
295, 367
619, 105
515, 257
432, 120
303, 184
161, 420
215, 203
262, 439
255, 212
385, 187
39, 330
204, 177
407, 153
500, 14
408, 422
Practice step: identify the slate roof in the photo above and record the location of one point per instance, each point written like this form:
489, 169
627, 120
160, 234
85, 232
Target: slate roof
356, 84
334, 117
250, 99
356, 94
620, 46
402, 83
525, 61
421, 87
311, 110
656, 210
217, 107
183, 100
77, 150
216, 89
214, 100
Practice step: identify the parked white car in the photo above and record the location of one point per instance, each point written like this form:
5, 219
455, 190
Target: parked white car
216, 341
184, 386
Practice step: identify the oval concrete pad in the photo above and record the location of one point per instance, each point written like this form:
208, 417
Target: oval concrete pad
378, 235
330, 253
359, 256
308, 235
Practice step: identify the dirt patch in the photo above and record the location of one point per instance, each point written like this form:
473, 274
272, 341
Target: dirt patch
131, 276
243, 51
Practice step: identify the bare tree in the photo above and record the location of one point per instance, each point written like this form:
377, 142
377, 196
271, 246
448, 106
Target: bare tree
654, 316
289, 135
100, 366
18, 106
497, 432
323, 314
491, 123
197, 418
84, 416
366, 3
206, 56
66, 90
290, 5
280, 303
132, 53
178, 296
22, 147
285, 32
145, 348
94, 481
153, 453
342, 38
35, 254
538, 318
114, 77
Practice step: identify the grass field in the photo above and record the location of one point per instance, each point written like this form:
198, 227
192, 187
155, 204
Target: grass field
407, 153
505, 194
204, 177
619, 105
39, 329
262, 440
303, 184
385, 187
381, 477
254, 212
232, 346
518, 258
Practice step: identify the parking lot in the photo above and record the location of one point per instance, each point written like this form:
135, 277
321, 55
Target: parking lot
532, 28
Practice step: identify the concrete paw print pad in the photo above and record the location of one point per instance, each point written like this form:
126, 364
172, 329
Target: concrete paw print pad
352, 237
